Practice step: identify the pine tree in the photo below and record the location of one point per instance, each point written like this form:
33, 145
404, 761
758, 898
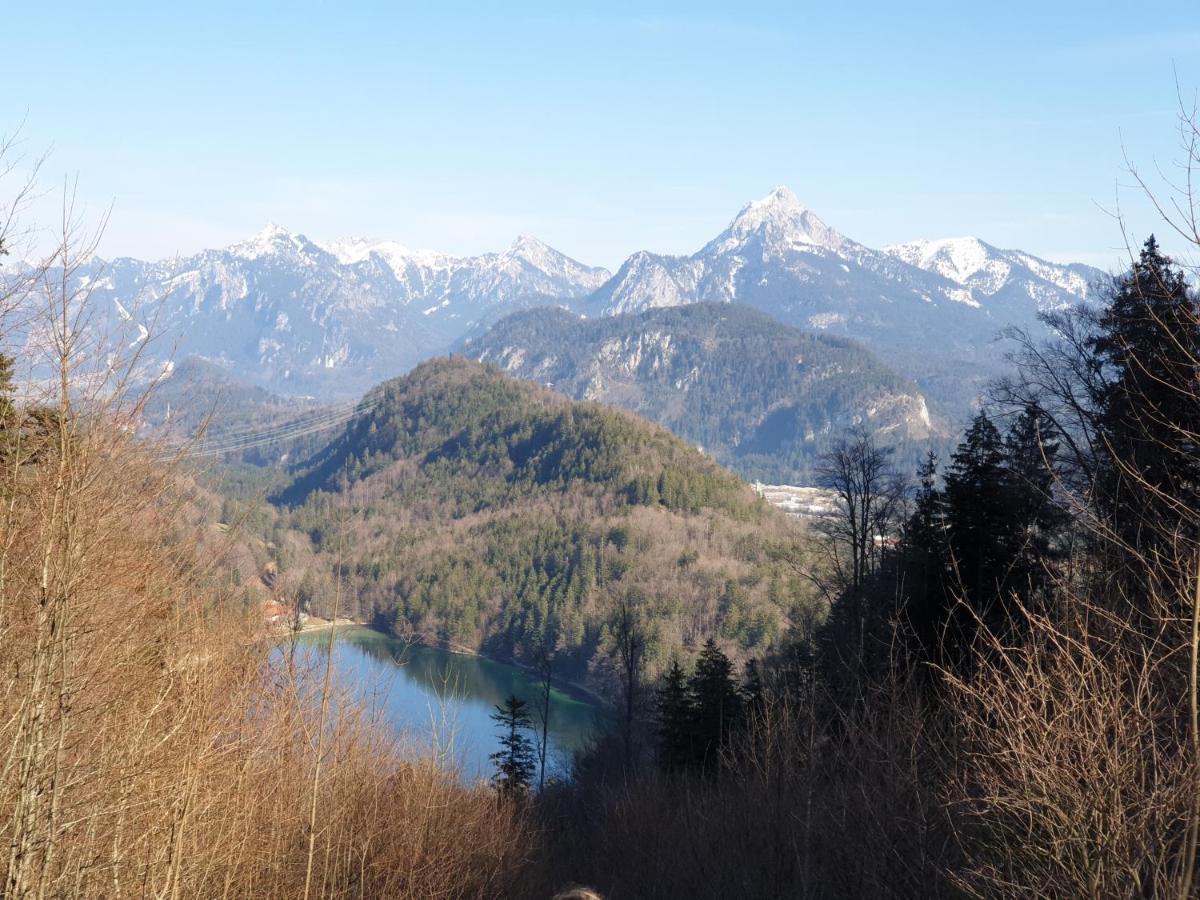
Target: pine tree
982, 531
718, 704
515, 762
1031, 453
923, 559
754, 692
1147, 346
676, 709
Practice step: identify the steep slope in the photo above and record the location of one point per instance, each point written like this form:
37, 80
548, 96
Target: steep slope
285, 313
781, 258
1010, 282
760, 397
472, 509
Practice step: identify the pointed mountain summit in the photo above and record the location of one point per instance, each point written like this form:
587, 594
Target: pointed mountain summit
270, 239
552, 264
300, 317
929, 310
778, 221
528, 245
296, 317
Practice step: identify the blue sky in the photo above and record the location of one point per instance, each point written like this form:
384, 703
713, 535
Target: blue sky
601, 129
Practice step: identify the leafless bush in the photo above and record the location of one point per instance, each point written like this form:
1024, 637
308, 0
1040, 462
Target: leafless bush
1081, 773
152, 742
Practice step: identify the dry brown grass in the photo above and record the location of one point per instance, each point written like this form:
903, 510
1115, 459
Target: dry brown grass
152, 743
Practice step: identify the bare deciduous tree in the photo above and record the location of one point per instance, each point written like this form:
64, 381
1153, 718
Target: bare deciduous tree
870, 494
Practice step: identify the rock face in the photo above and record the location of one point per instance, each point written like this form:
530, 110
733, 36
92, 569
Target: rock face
296, 317
932, 309
762, 398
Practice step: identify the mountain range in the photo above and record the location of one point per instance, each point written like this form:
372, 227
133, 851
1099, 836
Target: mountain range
330, 319
299, 318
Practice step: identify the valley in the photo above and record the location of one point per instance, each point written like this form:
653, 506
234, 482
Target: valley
465, 508
651, 451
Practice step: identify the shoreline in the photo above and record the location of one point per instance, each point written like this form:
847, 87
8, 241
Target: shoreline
590, 695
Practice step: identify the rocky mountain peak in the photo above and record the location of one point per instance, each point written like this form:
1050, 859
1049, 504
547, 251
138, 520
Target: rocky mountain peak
778, 222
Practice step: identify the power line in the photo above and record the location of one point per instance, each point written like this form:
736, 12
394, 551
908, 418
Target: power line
322, 420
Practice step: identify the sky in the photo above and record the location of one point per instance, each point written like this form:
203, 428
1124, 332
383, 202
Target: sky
601, 129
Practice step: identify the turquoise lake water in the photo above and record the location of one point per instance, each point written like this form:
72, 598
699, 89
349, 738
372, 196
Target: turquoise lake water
441, 699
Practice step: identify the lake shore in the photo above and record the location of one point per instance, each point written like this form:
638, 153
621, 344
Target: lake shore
587, 693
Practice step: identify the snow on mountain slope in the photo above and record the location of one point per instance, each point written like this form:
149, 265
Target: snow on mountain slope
779, 223
527, 268
297, 317
780, 257
932, 309
987, 271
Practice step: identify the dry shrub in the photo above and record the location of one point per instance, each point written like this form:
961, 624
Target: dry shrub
154, 745
153, 741
1079, 776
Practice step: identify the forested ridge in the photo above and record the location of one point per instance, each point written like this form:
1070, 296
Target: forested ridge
466, 508
764, 398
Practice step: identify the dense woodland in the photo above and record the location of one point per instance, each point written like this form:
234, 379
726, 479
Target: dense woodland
470, 510
978, 678
763, 398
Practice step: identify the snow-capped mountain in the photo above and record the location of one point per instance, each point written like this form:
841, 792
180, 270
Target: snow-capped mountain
780, 257
992, 274
330, 319
528, 268
927, 307
298, 317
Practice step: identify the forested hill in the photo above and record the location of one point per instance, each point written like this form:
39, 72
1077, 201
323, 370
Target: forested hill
763, 398
470, 508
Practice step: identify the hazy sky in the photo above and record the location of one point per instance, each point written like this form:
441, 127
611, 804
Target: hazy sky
600, 128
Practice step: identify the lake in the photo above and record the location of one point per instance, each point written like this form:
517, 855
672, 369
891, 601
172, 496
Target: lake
445, 699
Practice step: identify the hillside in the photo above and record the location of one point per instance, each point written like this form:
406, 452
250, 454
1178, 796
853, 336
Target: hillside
202, 410
475, 510
759, 397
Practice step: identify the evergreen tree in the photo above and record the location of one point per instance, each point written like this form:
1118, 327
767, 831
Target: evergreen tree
983, 539
1031, 453
1148, 477
676, 710
977, 508
718, 704
515, 762
923, 555
754, 693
